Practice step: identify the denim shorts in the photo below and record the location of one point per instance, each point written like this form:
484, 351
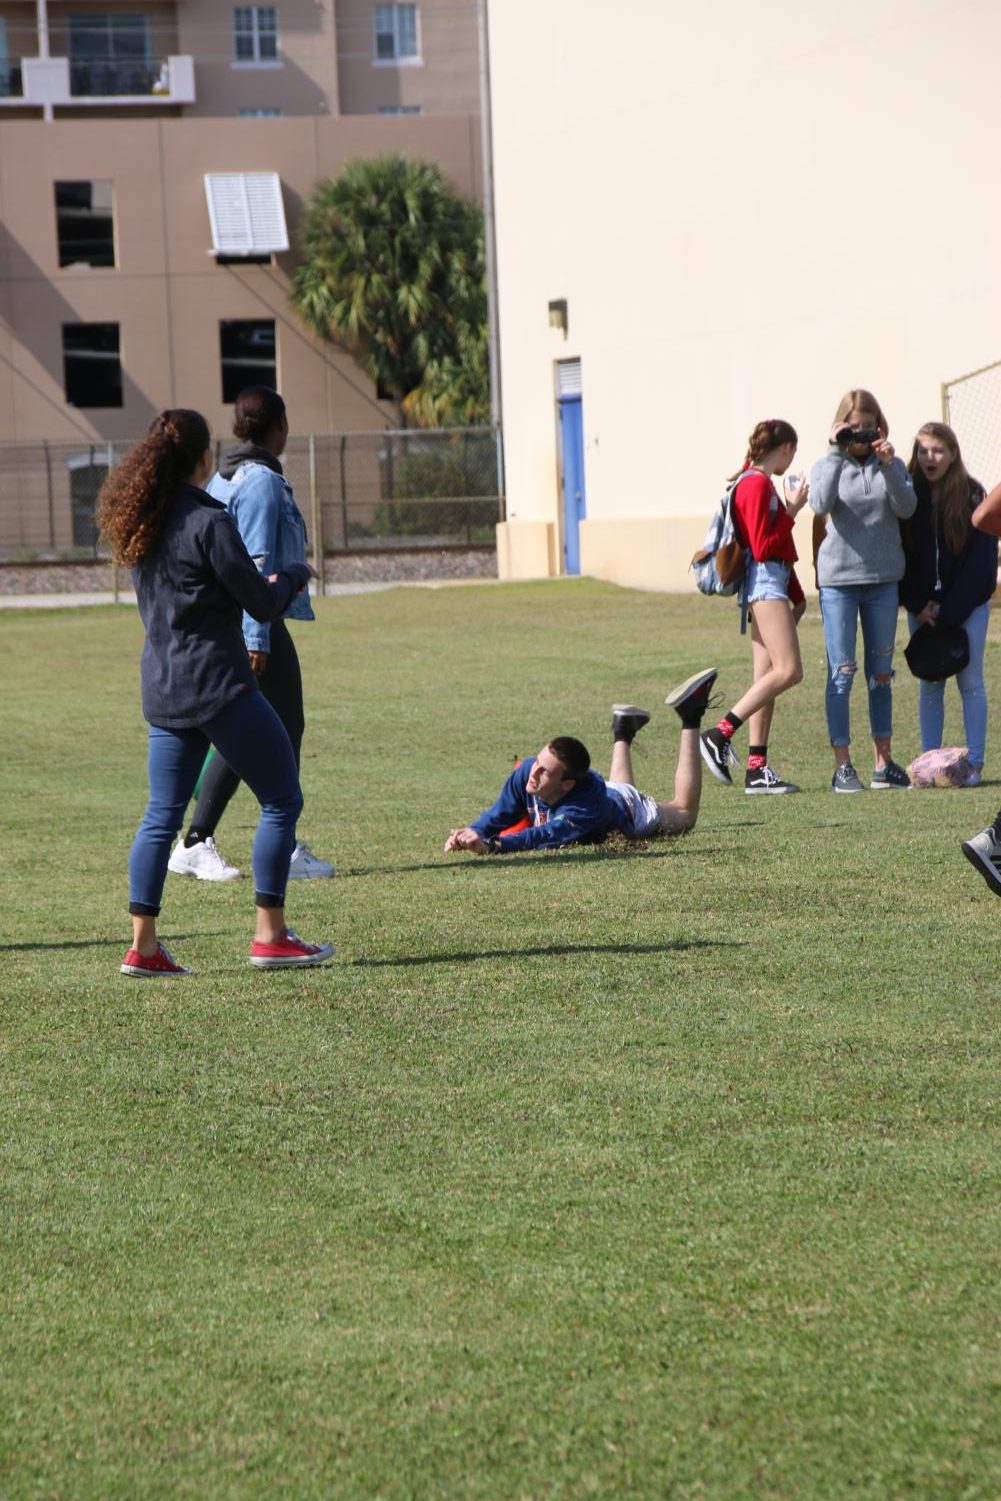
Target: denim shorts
767, 581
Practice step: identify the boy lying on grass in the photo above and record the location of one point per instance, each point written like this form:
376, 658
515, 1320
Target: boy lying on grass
555, 798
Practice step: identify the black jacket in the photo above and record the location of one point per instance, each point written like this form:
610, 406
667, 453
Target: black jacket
192, 591
966, 579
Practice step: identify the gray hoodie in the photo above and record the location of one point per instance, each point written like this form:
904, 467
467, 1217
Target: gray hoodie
864, 503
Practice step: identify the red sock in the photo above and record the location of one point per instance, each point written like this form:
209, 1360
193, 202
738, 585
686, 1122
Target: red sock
729, 725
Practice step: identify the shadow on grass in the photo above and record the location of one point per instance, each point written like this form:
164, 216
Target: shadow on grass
103, 943
543, 951
529, 860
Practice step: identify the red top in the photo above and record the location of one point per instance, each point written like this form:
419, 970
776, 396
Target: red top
768, 536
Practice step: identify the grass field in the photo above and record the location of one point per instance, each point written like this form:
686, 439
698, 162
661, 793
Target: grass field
669, 1174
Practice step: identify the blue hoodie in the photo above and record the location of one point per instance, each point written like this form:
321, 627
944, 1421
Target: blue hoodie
586, 815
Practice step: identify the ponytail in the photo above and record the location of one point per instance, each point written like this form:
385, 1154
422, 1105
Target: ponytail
772, 433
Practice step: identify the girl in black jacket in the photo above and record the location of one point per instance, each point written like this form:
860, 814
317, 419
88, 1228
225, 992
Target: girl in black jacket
194, 578
950, 575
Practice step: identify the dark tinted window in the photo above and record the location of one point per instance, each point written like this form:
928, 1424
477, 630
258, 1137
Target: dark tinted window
247, 348
92, 367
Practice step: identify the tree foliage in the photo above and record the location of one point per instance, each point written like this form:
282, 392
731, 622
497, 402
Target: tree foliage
393, 270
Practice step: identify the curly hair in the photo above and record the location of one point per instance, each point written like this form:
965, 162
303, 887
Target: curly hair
135, 497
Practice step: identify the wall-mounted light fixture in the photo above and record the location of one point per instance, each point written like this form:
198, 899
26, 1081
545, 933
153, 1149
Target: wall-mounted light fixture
558, 315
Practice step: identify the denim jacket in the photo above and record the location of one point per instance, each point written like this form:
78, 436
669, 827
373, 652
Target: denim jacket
261, 502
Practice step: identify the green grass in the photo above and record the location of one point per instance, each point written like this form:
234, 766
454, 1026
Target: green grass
666, 1174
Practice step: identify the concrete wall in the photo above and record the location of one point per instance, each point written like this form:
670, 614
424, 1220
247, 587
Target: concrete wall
749, 209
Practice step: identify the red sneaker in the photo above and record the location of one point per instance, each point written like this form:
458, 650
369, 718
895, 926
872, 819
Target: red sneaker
151, 966
289, 952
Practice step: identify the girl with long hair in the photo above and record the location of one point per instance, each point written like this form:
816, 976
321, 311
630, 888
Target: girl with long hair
863, 491
775, 604
950, 575
252, 486
194, 578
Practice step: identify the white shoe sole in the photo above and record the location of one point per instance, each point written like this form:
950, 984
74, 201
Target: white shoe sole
153, 974
768, 791
310, 875
200, 875
689, 685
981, 863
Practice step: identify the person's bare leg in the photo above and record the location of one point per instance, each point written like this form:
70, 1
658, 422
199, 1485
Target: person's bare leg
682, 811
621, 766
144, 939
760, 722
773, 619
270, 925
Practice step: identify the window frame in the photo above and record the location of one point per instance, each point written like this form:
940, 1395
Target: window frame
65, 263
255, 32
397, 60
110, 406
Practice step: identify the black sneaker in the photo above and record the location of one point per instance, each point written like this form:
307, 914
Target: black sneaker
984, 853
627, 721
763, 779
890, 775
718, 755
691, 698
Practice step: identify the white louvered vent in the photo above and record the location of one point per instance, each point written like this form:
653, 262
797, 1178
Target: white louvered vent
568, 378
246, 213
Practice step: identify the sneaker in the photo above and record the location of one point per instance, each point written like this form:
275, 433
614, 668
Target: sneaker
846, 779
890, 775
973, 777
984, 853
151, 966
691, 698
763, 779
718, 755
289, 952
203, 861
627, 720
304, 865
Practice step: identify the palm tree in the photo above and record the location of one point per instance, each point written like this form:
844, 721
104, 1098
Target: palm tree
393, 270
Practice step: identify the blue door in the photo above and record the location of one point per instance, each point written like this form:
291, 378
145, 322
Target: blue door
574, 494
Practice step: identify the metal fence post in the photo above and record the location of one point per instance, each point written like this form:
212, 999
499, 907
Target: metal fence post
343, 468
316, 517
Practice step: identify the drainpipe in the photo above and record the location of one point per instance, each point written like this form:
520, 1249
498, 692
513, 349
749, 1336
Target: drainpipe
490, 241
43, 47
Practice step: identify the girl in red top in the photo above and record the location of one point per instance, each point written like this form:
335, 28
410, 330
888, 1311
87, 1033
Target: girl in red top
775, 603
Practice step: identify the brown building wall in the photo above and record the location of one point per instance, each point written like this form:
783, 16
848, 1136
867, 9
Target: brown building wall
445, 80
166, 291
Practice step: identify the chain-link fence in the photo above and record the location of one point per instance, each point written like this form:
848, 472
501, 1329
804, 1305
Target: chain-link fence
971, 405
357, 491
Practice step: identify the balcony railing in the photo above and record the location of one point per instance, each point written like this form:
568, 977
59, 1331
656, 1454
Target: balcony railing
57, 81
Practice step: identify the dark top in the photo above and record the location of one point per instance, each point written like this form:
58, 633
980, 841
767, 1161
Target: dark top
586, 815
192, 591
958, 581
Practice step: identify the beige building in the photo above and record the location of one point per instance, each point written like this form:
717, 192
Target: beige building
155, 157
707, 215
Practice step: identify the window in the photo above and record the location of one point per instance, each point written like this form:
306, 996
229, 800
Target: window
246, 214
395, 33
92, 367
255, 33
247, 350
10, 73
85, 224
110, 54
399, 109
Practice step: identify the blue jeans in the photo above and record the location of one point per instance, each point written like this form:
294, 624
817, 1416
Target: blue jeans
842, 607
252, 740
970, 682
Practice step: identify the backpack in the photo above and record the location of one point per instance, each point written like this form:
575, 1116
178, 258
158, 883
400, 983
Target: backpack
721, 562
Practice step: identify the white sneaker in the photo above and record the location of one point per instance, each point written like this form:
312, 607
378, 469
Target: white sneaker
203, 861
304, 866
984, 854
